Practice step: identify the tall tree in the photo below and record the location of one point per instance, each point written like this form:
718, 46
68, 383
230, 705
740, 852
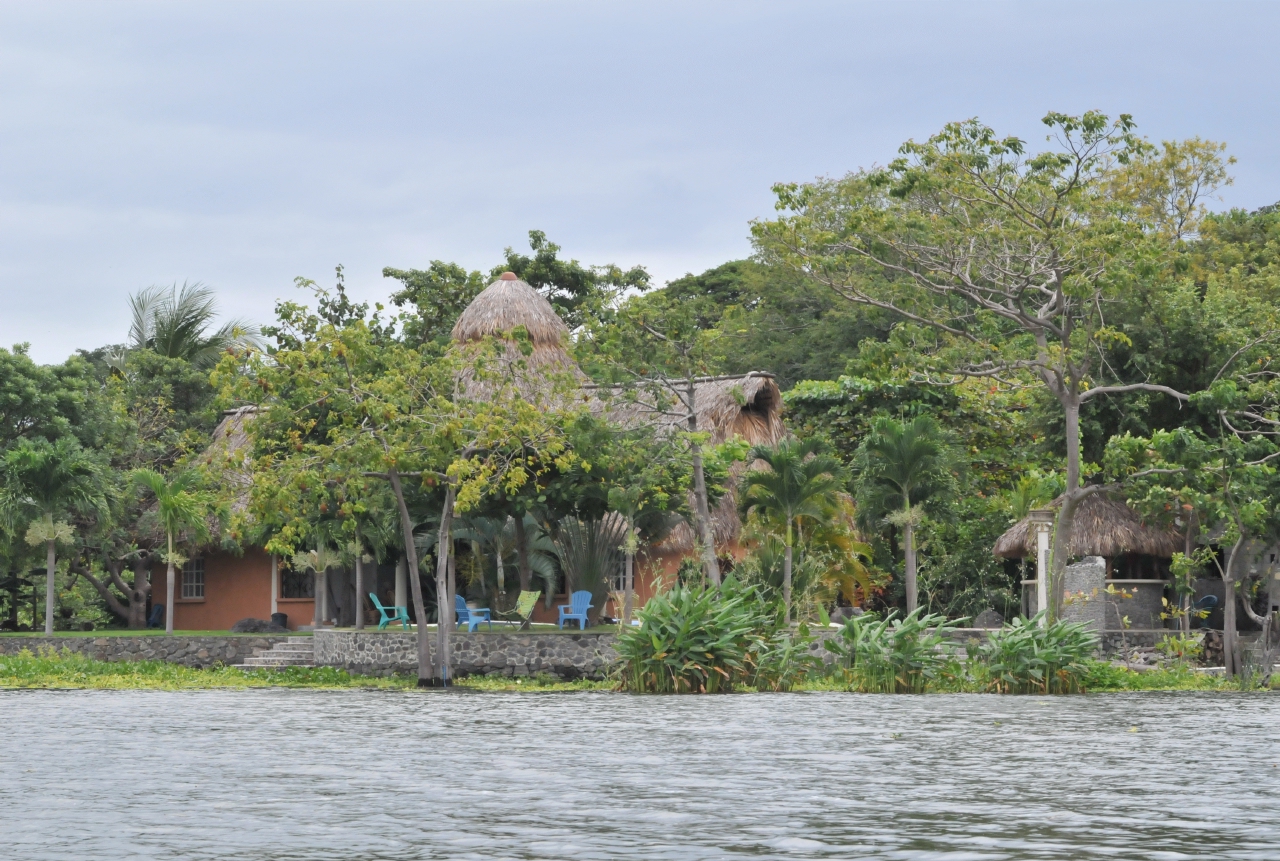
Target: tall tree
652, 355
181, 509
1013, 259
900, 465
343, 405
45, 481
800, 484
177, 323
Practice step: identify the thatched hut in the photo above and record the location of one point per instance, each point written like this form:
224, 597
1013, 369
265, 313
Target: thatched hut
1104, 526
531, 340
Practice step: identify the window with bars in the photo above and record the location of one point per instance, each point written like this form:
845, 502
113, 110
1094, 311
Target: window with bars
193, 579
619, 578
297, 584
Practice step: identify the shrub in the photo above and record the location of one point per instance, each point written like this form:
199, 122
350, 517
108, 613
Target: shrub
890, 655
695, 640
1025, 658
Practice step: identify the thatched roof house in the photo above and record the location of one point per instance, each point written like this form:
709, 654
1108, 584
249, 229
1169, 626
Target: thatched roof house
1105, 526
744, 405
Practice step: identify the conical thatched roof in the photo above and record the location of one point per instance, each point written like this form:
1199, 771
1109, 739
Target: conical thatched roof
506, 304
1104, 526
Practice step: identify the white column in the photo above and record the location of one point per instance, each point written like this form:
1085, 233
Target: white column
402, 583
1042, 569
275, 584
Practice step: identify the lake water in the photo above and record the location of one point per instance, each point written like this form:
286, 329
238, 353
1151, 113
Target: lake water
412, 775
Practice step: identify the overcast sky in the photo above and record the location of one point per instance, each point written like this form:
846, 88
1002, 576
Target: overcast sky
242, 144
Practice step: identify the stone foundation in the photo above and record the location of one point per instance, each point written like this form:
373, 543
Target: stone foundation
382, 653
199, 652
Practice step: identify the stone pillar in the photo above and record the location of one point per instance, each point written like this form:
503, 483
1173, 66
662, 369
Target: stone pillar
1084, 582
1039, 528
402, 583
275, 584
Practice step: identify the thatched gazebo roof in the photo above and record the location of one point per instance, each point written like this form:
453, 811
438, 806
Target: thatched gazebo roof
505, 304
1104, 526
497, 312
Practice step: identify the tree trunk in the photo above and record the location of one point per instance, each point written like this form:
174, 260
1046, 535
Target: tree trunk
443, 553
359, 584
1065, 526
502, 578
1229, 629
452, 586
522, 555
411, 554
1230, 648
168, 601
50, 592
1184, 602
786, 583
628, 587
701, 507
909, 554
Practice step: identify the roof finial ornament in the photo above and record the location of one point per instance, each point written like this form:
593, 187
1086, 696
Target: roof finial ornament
508, 276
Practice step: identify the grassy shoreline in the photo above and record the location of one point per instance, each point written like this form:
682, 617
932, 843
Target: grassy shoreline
70, 671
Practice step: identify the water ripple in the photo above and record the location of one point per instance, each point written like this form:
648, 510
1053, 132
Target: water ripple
283, 775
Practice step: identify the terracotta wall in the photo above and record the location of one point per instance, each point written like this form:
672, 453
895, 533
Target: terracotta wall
235, 588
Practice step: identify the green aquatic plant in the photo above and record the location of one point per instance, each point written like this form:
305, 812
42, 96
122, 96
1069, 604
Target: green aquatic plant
890, 655
700, 640
1028, 656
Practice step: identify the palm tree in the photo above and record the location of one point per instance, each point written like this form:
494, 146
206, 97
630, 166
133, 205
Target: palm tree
319, 561
46, 480
176, 322
900, 465
180, 507
802, 482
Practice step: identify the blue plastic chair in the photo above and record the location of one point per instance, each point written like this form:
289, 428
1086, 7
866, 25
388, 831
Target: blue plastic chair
471, 618
579, 604
1205, 604
395, 614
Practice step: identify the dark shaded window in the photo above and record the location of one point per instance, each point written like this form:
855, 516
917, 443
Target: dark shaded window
298, 584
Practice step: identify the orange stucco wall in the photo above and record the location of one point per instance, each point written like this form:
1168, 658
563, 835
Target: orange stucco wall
235, 588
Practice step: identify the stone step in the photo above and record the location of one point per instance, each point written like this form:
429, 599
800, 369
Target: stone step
297, 652
290, 648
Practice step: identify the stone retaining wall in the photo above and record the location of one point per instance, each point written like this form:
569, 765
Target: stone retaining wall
382, 653
200, 652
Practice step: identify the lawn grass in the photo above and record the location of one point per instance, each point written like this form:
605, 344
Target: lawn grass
68, 670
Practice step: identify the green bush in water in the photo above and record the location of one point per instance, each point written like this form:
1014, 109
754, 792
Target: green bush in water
890, 655
1025, 658
695, 640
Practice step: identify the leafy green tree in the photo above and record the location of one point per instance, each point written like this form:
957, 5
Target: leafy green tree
433, 299
799, 486
900, 466
181, 508
1230, 483
177, 322
651, 353
344, 406
774, 318
1011, 258
46, 480
574, 290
